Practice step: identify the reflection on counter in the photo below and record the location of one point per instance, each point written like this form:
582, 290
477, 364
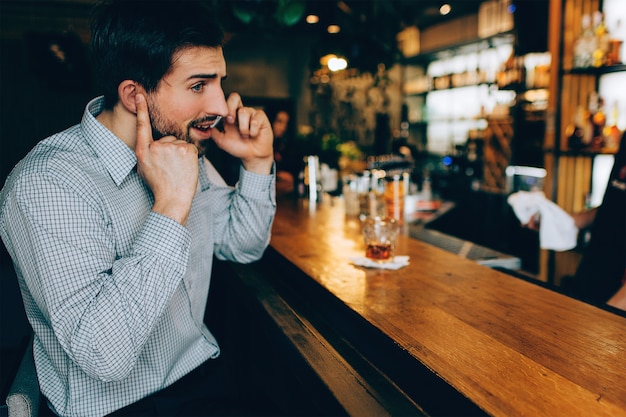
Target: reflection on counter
467, 249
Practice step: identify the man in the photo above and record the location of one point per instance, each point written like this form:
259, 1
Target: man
601, 275
113, 223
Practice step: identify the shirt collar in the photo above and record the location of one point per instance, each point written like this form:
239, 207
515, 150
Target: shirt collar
117, 157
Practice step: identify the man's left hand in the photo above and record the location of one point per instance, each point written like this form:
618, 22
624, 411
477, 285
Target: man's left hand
247, 135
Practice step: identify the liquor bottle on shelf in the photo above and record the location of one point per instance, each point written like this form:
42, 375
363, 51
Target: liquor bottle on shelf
504, 73
613, 55
598, 120
588, 113
521, 72
584, 45
599, 56
612, 133
575, 131
513, 73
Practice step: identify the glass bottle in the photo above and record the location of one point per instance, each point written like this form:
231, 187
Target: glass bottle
599, 121
612, 134
575, 132
585, 44
601, 46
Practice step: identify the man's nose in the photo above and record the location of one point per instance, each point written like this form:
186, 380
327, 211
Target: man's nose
216, 103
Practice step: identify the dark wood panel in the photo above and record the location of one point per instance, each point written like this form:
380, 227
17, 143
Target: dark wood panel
289, 361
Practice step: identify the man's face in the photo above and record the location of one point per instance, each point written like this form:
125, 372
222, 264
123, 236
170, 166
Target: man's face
190, 96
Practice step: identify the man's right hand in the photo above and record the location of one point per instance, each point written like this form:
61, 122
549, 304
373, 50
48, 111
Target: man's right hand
169, 166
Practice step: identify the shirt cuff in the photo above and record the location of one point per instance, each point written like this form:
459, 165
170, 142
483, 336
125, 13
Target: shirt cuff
257, 186
166, 238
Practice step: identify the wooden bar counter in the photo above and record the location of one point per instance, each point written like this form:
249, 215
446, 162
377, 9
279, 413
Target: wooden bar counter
455, 337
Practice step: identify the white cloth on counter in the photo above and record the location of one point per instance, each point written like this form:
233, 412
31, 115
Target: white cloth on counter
397, 263
557, 230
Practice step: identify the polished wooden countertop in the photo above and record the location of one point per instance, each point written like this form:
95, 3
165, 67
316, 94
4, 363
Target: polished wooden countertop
511, 347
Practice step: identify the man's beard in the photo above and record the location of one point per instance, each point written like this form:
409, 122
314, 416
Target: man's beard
161, 127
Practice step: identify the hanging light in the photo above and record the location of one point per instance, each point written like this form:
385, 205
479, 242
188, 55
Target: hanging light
337, 64
312, 19
289, 12
333, 62
333, 29
445, 9
284, 12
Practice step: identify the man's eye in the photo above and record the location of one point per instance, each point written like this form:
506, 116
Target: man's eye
197, 87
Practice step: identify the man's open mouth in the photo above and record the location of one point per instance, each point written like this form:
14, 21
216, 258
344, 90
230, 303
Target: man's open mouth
214, 123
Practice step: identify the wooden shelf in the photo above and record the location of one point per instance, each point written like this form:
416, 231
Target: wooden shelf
595, 71
451, 119
589, 154
455, 87
473, 45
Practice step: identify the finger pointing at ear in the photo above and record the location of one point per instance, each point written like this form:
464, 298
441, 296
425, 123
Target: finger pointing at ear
144, 129
169, 167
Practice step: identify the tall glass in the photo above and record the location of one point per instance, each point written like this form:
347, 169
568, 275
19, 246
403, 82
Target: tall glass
394, 196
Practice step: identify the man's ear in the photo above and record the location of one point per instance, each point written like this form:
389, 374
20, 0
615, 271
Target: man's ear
126, 92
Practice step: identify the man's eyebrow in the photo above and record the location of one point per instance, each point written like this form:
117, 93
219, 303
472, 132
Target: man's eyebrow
205, 76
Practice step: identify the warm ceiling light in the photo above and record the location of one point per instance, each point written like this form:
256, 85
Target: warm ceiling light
333, 29
445, 9
312, 19
333, 62
337, 64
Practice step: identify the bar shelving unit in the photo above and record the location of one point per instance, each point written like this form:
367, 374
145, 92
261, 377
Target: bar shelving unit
571, 172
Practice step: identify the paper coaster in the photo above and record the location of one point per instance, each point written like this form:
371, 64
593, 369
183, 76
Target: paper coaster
397, 263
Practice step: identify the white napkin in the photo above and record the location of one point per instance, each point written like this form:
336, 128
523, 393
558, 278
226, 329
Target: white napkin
557, 230
397, 263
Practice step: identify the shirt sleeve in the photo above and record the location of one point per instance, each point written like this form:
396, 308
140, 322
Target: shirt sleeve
243, 216
101, 307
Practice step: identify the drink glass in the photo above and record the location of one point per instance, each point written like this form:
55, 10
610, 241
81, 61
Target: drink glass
380, 235
313, 178
371, 201
394, 196
351, 194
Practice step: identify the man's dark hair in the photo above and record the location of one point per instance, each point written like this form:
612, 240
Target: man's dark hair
136, 40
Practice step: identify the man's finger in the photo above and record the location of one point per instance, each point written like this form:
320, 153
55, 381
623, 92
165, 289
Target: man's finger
244, 117
234, 103
144, 129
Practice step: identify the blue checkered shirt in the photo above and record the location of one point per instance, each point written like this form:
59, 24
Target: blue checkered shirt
115, 292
